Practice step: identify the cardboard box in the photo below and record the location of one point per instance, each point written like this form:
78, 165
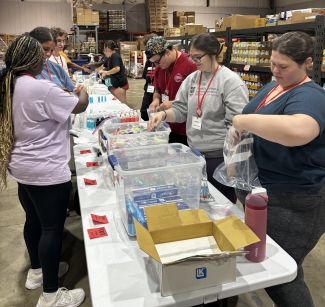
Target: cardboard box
188, 250
260, 22
78, 11
222, 56
178, 13
226, 23
243, 21
88, 20
81, 20
172, 32
298, 17
95, 18
193, 29
87, 11
189, 13
191, 19
96, 13
284, 22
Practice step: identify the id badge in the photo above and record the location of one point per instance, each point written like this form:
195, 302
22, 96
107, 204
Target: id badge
164, 98
150, 88
196, 122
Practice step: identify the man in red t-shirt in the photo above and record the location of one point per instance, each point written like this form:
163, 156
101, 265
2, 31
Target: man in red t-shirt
172, 68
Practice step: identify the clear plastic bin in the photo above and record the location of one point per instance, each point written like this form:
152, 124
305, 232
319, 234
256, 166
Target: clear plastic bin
154, 175
133, 134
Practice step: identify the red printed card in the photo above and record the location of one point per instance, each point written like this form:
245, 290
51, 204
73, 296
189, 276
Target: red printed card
90, 164
97, 233
90, 181
85, 151
99, 218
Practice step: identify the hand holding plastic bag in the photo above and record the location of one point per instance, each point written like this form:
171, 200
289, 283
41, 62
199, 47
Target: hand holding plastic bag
239, 168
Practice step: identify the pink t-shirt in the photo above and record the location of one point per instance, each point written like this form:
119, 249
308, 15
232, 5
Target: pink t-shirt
41, 149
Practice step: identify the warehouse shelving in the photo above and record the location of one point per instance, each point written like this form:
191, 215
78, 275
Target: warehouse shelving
315, 28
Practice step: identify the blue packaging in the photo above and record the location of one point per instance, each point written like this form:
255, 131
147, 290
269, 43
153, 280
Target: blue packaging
158, 200
162, 191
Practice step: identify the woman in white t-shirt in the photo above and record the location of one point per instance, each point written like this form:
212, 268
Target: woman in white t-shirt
56, 57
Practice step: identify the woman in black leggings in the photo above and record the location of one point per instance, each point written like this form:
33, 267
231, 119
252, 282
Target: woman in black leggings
35, 150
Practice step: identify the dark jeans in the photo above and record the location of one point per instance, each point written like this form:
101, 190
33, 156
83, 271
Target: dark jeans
296, 222
212, 164
177, 138
46, 209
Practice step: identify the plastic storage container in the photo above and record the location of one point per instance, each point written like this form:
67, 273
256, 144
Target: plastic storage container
155, 175
133, 134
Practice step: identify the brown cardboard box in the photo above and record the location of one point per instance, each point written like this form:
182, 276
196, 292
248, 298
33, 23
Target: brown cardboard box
183, 234
178, 13
172, 32
190, 13
78, 11
192, 29
95, 13
243, 21
88, 20
222, 56
190, 19
81, 20
226, 23
87, 11
95, 18
298, 17
260, 22
284, 22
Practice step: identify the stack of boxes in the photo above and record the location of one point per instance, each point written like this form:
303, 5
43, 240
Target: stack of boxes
116, 20
125, 48
103, 21
156, 15
7, 39
89, 46
179, 19
85, 17
190, 17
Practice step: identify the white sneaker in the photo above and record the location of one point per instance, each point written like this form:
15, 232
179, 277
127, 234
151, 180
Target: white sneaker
35, 281
63, 298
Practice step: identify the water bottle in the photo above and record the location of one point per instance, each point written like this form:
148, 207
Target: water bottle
256, 220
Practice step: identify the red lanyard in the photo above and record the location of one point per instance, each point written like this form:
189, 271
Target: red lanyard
199, 102
152, 73
263, 104
170, 76
26, 74
58, 61
48, 72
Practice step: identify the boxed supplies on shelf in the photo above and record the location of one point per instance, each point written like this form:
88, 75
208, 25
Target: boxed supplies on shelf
189, 251
172, 32
133, 134
155, 172
298, 17
260, 22
243, 21
193, 29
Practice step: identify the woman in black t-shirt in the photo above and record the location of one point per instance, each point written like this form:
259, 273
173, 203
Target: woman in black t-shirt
115, 70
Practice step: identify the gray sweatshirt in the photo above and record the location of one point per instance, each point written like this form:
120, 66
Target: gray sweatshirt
225, 98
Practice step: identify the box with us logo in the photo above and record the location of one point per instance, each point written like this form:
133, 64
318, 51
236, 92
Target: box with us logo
189, 251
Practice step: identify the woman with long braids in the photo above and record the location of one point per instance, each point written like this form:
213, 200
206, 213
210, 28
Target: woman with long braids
35, 150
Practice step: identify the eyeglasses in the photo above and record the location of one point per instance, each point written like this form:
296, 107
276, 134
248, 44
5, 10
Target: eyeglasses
196, 58
60, 42
158, 61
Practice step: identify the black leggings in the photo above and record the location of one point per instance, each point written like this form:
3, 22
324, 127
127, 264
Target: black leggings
295, 221
46, 209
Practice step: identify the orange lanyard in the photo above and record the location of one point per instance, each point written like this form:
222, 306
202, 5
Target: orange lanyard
57, 60
262, 103
48, 72
170, 76
200, 101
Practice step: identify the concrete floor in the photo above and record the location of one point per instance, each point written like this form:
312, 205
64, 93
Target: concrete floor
14, 261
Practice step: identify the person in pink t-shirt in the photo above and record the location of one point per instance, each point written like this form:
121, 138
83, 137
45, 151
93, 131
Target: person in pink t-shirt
35, 150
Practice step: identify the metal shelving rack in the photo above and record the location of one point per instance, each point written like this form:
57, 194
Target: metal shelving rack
85, 29
315, 28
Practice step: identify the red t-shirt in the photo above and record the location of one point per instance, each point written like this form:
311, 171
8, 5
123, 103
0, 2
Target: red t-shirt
183, 68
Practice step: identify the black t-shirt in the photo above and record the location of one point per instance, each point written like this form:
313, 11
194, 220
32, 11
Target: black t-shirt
118, 79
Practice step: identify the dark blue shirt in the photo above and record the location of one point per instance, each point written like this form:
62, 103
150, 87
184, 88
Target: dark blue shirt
299, 169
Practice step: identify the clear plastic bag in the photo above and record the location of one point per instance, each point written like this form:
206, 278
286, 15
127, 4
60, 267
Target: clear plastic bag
239, 169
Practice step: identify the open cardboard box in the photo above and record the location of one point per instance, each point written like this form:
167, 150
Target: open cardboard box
188, 250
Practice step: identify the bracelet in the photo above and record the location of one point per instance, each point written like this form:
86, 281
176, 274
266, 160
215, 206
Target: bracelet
165, 115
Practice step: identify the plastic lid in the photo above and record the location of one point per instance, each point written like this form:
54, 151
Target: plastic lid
259, 191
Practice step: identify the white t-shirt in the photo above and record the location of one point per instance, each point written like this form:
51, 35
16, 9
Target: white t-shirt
41, 149
60, 60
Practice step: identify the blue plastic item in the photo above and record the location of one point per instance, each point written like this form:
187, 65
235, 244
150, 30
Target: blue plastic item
79, 62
